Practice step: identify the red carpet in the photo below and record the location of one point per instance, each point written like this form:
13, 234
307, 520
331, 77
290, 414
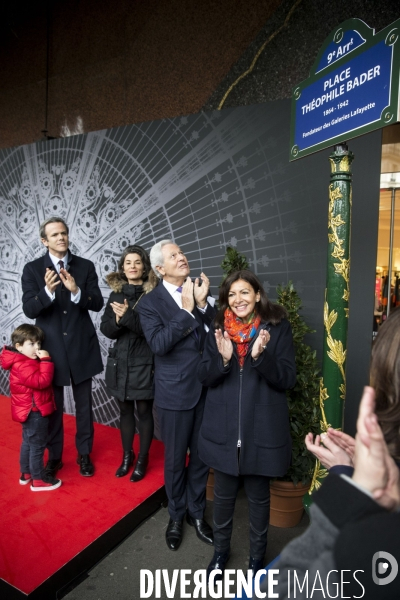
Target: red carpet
41, 532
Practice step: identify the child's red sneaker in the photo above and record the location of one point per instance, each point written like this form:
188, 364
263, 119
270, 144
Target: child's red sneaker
25, 478
47, 484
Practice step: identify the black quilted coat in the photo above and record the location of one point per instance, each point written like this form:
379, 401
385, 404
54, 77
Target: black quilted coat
129, 370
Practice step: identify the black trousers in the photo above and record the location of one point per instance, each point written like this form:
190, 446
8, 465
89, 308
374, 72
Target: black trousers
185, 486
84, 420
225, 491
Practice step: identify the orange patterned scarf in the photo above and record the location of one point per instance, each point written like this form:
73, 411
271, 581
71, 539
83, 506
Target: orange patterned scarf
241, 333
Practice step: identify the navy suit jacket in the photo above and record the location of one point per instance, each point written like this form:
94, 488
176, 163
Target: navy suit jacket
70, 336
169, 331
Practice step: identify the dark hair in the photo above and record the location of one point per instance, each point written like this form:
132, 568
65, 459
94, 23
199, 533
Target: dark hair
385, 379
25, 332
143, 255
42, 228
268, 311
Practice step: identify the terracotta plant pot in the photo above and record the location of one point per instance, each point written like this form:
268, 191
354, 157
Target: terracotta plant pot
287, 503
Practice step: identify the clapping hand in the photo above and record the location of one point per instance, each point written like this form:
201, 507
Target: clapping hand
119, 309
327, 451
224, 345
187, 295
375, 470
260, 343
332, 448
201, 291
68, 281
343, 440
51, 280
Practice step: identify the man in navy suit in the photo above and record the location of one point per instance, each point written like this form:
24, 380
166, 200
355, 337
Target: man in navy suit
173, 316
59, 289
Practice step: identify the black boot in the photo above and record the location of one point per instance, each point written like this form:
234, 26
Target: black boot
140, 469
127, 461
255, 564
218, 561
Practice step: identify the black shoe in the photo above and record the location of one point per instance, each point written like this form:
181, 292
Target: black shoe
173, 535
255, 564
218, 561
86, 465
53, 465
203, 530
140, 469
127, 461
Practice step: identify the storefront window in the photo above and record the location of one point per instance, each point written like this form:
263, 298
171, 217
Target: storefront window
387, 283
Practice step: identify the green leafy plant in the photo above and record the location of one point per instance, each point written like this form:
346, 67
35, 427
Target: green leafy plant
233, 261
303, 398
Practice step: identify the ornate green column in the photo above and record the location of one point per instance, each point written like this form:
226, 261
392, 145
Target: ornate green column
336, 306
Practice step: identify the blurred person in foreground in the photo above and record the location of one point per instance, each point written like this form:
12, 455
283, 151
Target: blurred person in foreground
352, 547
355, 514
335, 449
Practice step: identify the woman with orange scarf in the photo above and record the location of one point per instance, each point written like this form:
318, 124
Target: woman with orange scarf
248, 364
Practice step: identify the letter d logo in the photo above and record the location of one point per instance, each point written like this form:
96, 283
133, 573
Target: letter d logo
380, 566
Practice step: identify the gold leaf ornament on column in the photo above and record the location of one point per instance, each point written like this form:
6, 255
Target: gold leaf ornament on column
337, 294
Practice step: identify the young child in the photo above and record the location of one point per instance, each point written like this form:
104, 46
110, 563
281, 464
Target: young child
32, 401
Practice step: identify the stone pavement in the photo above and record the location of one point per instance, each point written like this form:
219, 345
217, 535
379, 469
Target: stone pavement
117, 576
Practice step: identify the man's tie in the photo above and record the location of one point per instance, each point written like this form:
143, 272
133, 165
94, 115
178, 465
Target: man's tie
61, 264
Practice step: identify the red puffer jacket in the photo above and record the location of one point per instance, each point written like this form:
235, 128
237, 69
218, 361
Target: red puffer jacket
30, 383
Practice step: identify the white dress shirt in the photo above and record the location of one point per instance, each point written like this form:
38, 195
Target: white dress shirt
177, 296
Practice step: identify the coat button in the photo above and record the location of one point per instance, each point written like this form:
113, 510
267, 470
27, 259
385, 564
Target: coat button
65, 312
89, 298
36, 297
65, 333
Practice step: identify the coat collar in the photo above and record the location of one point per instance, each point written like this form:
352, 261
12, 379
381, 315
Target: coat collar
48, 263
167, 299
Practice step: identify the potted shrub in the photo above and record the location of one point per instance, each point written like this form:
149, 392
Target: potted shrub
304, 415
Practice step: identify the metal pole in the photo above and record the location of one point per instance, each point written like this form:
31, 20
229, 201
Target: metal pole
392, 216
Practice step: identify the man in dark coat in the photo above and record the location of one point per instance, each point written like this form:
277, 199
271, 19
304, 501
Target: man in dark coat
59, 289
173, 316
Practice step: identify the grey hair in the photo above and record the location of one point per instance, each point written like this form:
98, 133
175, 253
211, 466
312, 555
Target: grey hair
42, 228
156, 256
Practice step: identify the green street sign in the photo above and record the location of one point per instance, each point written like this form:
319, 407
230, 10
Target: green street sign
353, 88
